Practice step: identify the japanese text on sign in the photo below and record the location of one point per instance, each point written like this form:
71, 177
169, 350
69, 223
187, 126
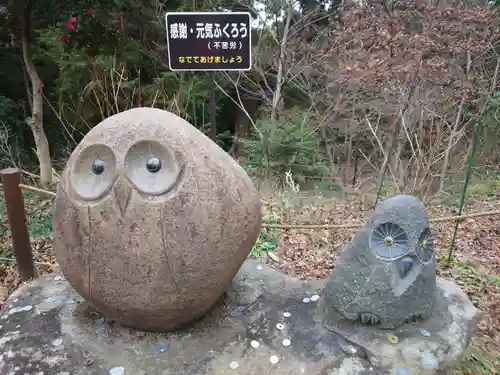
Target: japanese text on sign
210, 59
209, 41
209, 30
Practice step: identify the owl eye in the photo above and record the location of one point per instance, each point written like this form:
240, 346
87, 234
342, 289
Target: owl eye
98, 166
162, 167
93, 172
153, 165
425, 246
389, 241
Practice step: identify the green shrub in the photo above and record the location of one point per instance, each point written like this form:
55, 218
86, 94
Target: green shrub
291, 146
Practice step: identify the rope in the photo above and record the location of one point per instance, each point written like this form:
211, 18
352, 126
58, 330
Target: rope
358, 225
314, 226
38, 190
35, 189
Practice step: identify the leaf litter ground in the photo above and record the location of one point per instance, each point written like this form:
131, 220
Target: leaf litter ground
311, 254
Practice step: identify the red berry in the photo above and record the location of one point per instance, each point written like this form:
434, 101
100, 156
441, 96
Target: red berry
5, 22
90, 12
70, 23
64, 38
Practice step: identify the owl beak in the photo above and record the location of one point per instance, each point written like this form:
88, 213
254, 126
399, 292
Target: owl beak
404, 266
122, 194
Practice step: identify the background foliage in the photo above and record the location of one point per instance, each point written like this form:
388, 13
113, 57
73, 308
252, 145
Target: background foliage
330, 81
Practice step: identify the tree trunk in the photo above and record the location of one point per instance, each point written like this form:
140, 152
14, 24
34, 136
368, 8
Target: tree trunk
36, 121
281, 61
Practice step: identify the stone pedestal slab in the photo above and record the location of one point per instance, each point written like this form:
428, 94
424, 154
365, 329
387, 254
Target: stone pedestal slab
47, 329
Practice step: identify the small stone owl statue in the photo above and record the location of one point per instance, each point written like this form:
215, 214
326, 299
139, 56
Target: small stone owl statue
153, 220
387, 274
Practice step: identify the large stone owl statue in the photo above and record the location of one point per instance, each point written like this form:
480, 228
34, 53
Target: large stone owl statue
152, 219
387, 274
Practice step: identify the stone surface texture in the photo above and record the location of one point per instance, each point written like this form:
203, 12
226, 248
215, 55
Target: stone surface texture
387, 274
46, 329
153, 245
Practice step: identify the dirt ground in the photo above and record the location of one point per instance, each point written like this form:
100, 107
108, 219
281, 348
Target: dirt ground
306, 253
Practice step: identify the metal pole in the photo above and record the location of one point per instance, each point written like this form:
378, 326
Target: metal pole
213, 132
14, 202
